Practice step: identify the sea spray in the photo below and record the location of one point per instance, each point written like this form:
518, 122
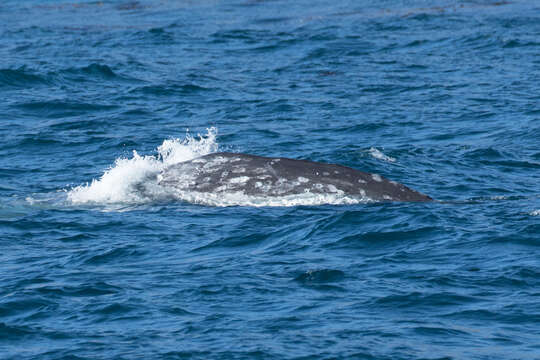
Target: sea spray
134, 180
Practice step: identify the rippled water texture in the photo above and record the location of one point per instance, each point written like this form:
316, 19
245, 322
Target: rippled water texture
98, 261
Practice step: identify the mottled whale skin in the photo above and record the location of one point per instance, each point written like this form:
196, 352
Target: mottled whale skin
265, 176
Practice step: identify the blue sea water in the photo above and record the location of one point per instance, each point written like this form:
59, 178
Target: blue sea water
443, 96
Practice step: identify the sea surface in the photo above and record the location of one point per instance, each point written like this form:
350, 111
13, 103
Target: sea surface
97, 261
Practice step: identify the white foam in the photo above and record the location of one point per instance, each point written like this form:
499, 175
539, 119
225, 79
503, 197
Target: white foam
535, 213
333, 189
377, 154
123, 182
115, 184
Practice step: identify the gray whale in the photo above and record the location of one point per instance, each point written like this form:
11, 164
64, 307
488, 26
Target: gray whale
274, 177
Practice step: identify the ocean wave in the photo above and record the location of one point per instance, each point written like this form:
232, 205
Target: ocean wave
170, 89
95, 70
320, 276
61, 108
21, 77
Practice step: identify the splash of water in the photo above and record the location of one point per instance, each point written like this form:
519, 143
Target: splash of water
133, 180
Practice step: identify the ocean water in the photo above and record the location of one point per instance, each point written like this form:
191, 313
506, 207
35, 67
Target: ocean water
98, 261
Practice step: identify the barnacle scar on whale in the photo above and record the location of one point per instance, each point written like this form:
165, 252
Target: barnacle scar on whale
275, 177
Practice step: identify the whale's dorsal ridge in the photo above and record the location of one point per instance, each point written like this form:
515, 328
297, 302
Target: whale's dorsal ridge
277, 176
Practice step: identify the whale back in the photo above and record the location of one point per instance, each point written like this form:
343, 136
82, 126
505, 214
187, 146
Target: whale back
264, 176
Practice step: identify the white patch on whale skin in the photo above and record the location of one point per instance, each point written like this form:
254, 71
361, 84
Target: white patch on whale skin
239, 180
203, 185
376, 177
264, 187
361, 181
224, 174
218, 160
199, 161
302, 179
326, 173
210, 167
387, 197
334, 189
283, 185
238, 169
